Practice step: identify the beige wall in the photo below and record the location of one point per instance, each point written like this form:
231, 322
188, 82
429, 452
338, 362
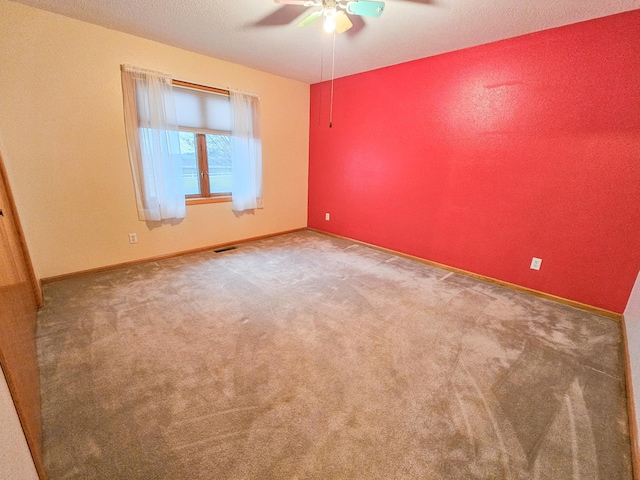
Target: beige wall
63, 141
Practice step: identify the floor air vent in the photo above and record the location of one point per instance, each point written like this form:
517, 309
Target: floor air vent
224, 249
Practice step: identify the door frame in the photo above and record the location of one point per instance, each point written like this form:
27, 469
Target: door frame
31, 427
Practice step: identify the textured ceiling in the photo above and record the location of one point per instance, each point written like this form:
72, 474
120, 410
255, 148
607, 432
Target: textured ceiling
262, 35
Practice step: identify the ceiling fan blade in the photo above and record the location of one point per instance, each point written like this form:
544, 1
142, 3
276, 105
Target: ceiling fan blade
342, 22
366, 8
310, 18
284, 15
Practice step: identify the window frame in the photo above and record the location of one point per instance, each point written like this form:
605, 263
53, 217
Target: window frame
205, 195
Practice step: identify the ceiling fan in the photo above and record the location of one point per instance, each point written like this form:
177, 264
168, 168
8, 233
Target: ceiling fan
335, 12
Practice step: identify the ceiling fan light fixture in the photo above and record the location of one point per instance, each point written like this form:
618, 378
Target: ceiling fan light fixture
335, 13
329, 20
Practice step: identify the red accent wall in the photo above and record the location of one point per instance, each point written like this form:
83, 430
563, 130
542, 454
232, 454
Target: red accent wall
486, 157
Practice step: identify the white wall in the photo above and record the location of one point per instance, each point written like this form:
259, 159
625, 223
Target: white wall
63, 141
632, 323
15, 458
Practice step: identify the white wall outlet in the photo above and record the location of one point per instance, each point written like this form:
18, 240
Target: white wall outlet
133, 238
535, 263
327, 216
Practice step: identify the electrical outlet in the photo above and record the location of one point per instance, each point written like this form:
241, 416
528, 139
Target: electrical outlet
133, 238
327, 216
535, 263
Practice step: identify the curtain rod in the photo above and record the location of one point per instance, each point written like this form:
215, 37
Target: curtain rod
183, 83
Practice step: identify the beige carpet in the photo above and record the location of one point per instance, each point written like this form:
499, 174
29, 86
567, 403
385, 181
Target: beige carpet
308, 357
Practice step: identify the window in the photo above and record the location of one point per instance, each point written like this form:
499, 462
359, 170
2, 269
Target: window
206, 164
204, 123
183, 136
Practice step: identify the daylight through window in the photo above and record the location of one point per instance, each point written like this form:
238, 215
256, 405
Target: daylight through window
204, 124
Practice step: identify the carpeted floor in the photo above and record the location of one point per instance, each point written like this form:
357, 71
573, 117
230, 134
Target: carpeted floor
308, 357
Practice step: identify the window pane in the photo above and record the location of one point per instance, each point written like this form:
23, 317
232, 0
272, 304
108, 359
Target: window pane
189, 157
219, 154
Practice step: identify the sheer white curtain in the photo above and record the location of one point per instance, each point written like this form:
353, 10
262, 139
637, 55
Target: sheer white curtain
154, 145
246, 186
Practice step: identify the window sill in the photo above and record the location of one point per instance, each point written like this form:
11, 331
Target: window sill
200, 200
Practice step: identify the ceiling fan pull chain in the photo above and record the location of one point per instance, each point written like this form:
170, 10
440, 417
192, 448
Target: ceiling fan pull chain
333, 70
